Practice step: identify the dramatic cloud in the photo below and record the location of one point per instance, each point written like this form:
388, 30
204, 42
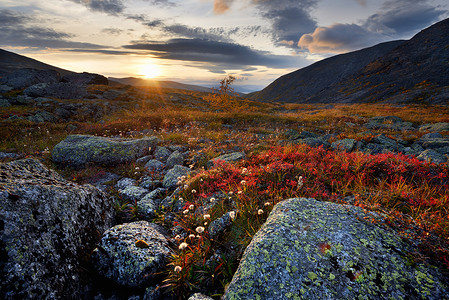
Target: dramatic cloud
338, 38
221, 55
112, 31
17, 29
112, 7
397, 20
221, 6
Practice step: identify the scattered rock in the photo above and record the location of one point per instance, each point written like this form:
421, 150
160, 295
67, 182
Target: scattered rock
4, 102
161, 153
124, 183
133, 193
48, 226
171, 179
389, 122
346, 145
61, 90
430, 155
218, 226
322, 250
78, 150
4, 155
154, 166
118, 258
144, 160
199, 296
103, 180
42, 116
230, 157
437, 127
176, 158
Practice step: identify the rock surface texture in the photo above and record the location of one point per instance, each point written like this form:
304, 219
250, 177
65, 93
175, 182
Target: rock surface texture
78, 150
132, 254
48, 226
320, 250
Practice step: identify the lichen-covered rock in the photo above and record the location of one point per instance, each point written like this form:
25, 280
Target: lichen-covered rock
176, 158
125, 182
154, 166
132, 254
344, 145
133, 193
229, 157
47, 227
436, 127
78, 150
61, 90
162, 153
430, 155
199, 296
173, 176
23, 78
389, 122
320, 250
218, 226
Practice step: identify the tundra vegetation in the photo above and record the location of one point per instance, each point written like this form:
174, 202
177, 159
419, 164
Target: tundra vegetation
411, 195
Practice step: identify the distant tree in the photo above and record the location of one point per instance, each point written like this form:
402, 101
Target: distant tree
224, 94
225, 86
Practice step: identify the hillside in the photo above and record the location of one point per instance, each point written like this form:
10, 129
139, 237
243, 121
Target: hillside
412, 71
160, 83
10, 62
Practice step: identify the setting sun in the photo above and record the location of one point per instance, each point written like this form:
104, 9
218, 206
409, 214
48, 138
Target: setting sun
150, 71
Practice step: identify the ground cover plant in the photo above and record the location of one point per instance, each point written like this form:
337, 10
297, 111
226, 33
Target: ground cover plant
411, 196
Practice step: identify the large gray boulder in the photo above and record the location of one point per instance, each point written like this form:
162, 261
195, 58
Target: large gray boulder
132, 254
229, 157
23, 78
48, 226
61, 90
436, 127
78, 150
173, 176
309, 249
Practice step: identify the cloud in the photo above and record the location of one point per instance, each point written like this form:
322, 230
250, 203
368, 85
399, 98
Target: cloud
112, 31
338, 38
111, 7
221, 6
397, 20
17, 29
219, 55
361, 2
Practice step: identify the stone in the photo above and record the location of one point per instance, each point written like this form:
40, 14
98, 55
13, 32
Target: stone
144, 160
161, 153
389, 122
229, 157
314, 142
218, 226
346, 145
26, 77
120, 258
48, 227
154, 166
85, 79
430, 155
176, 158
42, 116
4, 102
432, 135
124, 183
436, 127
104, 180
78, 150
310, 249
172, 177
199, 296
61, 90
133, 193
4, 155
149, 204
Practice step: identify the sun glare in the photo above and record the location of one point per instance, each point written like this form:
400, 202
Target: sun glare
150, 71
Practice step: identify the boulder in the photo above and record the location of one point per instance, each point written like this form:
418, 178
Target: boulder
199, 296
436, 127
61, 90
85, 79
172, 177
162, 153
430, 155
4, 102
176, 158
78, 150
23, 78
133, 193
229, 157
346, 145
389, 122
42, 116
309, 249
154, 166
132, 254
125, 182
48, 227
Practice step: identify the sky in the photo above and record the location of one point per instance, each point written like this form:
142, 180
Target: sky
202, 41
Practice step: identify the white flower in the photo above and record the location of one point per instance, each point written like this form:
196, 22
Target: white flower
186, 186
232, 215
244, 171
267, 204
137, 168
231, 193
182, 246
181, 199
177, 237
186, 211
300, 182
243, 182
191, 236
207, 216
191, 166
178, 269
205, 223
212, 199
193, 191
260, 212
191, 206
199, 229
239, 192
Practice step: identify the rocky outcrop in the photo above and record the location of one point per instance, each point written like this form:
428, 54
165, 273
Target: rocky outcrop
173, 176
78, 150
48, 226
320, 250
229, 157
23, 78
132, 254
85, 79
61, 90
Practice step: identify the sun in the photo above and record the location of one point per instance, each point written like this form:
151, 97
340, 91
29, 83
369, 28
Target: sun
150, 71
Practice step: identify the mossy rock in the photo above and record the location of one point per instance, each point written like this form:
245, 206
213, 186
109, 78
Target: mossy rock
309, 249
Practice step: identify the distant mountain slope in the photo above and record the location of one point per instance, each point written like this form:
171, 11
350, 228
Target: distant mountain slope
9, 62
304, 83
163, 84
397, 71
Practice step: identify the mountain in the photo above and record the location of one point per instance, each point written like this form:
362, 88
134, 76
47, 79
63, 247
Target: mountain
416, 70
10, 62
160, 83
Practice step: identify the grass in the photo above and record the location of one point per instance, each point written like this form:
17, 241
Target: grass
412, 195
